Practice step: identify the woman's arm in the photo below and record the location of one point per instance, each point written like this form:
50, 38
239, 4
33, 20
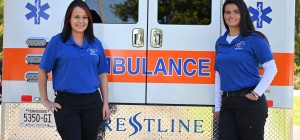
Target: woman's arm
218, 94
270, 71
104, 92
42, 84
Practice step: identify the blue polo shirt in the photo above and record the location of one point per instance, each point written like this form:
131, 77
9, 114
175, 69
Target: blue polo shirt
238, 62
75, 68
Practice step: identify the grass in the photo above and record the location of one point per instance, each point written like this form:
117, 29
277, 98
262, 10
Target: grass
296, 110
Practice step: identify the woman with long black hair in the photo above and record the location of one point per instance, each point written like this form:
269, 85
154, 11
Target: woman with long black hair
240, 104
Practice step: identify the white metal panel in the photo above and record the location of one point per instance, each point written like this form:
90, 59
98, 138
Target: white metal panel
118, 92
118, 37
280, 31
15, 89
18, 29
113, 36
282, 96
126, 92
183, 38
187, 37
189, 94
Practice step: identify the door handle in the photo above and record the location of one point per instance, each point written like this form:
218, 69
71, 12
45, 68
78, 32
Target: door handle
138, 37
156, 38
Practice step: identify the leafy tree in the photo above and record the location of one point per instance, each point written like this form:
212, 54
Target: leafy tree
169, 12
127, 10
184, 12
297, 37
1, 31
1, 25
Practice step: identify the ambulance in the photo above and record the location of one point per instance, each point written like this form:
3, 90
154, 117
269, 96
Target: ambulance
161, 59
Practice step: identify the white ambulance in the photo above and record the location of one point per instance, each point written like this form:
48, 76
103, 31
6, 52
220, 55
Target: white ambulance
161, 59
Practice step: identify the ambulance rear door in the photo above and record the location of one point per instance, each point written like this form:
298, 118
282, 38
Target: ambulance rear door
181, 39
122, 31
160, 52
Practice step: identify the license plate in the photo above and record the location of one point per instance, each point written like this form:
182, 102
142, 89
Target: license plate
36, 117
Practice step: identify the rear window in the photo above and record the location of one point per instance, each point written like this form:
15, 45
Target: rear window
193, 12
114, 11
196, 12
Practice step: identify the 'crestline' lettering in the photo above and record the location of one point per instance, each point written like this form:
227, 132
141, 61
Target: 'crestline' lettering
162, 126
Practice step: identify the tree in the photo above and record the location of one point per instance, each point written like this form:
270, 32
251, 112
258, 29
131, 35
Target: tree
1, 31
127, 10
297, 37
1, 25
169, 12
184, 12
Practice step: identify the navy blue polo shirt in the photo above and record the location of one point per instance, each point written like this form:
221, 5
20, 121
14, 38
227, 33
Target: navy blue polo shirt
75, 68
238, 62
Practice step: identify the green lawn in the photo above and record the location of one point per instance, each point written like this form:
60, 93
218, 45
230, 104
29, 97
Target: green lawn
296, 110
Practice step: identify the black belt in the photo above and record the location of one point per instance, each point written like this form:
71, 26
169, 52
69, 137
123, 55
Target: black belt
61, 93
238, 93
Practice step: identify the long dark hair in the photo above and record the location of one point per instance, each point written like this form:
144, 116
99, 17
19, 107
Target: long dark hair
89, 32
246, 25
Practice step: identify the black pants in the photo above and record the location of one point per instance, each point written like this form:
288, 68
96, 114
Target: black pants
242, 118
80, 116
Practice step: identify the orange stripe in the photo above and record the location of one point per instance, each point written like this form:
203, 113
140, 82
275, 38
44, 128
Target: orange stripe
285, 67
195, 56
126, 77
14, 66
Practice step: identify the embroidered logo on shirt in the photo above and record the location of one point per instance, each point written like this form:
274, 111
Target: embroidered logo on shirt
239, 45
92, 51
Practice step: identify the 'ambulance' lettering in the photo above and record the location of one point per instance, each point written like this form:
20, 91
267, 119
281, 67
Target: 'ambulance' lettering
167, 67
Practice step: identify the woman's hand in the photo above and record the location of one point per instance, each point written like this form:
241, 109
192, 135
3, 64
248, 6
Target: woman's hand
51, 106
217, 115
105, 111
251, 96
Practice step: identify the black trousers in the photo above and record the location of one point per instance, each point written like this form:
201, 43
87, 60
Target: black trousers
80, 116
242, 118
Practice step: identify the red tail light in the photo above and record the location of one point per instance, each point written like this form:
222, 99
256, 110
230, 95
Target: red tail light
270, 103
26, 98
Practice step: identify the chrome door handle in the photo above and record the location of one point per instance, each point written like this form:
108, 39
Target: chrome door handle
156, 38
138, 37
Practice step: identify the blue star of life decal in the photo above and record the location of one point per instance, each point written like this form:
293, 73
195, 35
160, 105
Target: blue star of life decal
259, 14
37, 11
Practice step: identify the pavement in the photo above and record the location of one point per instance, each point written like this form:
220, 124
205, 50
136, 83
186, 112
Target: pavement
296, 132
296, 129
296, 92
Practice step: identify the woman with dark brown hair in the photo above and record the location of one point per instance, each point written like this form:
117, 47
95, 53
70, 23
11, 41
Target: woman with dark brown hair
79, 68
240, 104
